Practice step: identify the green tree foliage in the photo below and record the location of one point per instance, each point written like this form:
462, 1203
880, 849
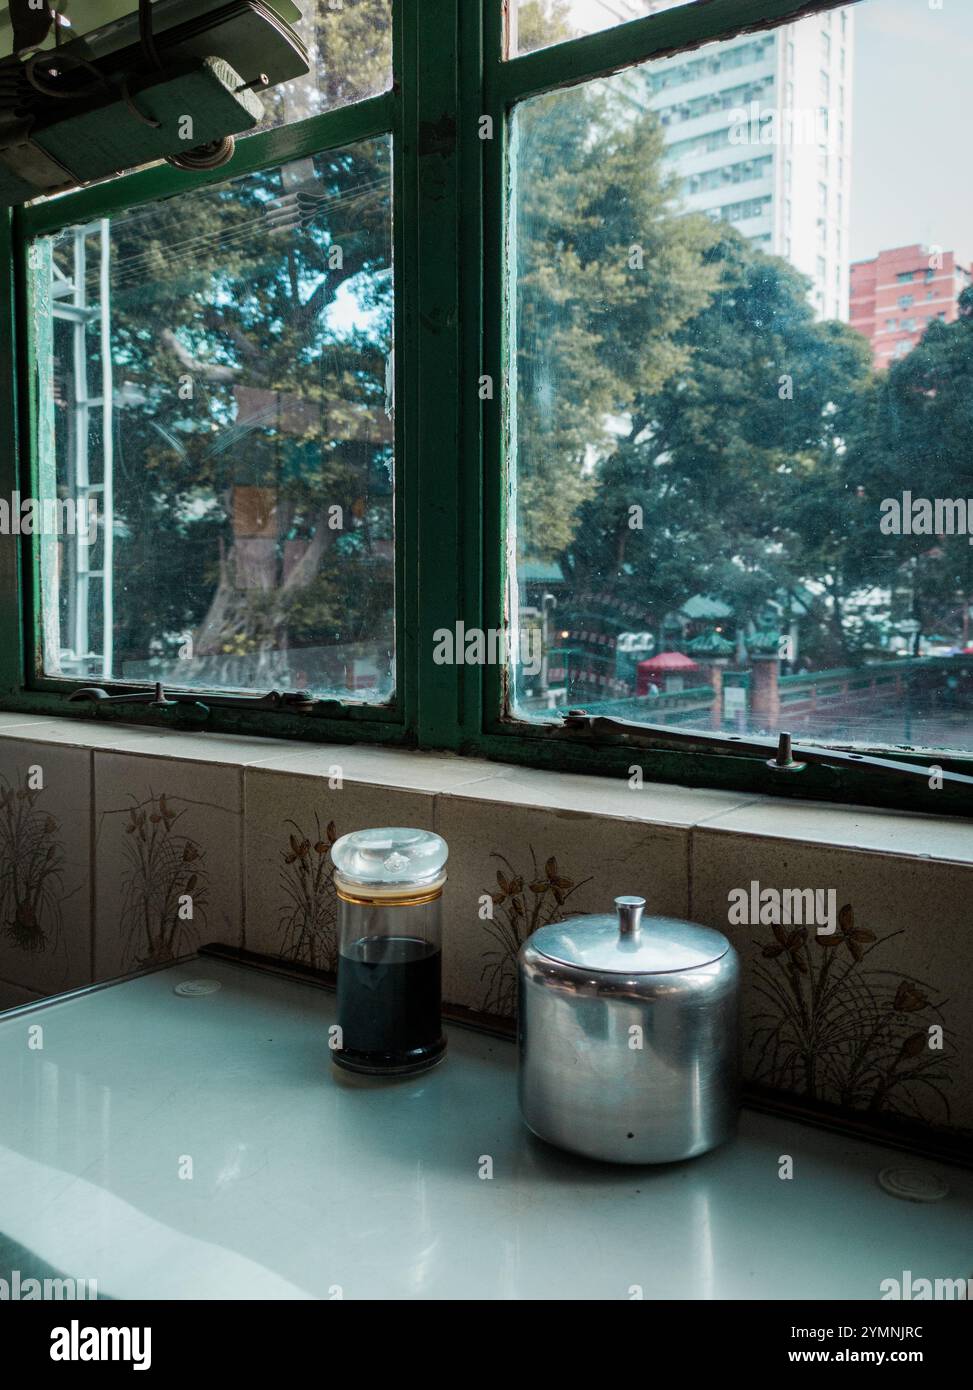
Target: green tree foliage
349, 45
736, 463
692, 428
608, 271
914, 430
541, 22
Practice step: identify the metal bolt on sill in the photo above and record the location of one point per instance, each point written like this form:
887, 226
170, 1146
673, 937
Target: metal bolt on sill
785, 761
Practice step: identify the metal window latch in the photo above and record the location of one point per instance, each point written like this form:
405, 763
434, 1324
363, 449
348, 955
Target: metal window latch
290, 702
785, 760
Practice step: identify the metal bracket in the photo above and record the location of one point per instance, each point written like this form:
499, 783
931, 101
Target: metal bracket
291, 702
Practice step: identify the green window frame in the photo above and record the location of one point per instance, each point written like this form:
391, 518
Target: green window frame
450, 194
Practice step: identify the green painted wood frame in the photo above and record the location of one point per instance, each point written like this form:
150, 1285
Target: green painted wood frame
453, 451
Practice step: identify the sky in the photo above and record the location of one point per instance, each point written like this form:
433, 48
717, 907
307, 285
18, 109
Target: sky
912, 124
912, 128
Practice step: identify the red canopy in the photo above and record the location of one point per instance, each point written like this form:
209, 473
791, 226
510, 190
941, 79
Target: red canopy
660, 665
668, 661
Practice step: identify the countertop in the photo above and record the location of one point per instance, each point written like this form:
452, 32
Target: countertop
206, 1147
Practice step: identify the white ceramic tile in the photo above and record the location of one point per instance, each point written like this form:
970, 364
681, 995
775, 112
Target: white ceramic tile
362, 762
404, 769
11, 721
849, 1022
514, 869
205, 746
653, 802
45, 866
858, 827
291, 822
94, 733
167, 859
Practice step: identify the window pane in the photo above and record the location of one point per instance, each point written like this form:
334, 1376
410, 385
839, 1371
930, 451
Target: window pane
538, 23
238, 450
743, 477
349, 47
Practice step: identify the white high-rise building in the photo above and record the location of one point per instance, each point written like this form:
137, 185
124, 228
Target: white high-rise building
759, 130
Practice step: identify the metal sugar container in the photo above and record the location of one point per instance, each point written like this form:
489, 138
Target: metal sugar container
628, 1036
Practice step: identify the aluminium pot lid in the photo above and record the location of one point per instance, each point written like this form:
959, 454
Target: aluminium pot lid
628, 943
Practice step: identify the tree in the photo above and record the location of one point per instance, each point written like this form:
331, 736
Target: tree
541, 22
607, 273
916, 423
735, 463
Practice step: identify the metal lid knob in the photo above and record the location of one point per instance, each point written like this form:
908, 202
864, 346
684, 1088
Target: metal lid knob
615, 943
630, 917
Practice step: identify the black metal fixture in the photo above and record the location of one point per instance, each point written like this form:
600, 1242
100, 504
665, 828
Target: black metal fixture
289, 702
105, 99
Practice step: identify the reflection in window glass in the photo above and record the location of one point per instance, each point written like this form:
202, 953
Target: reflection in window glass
349, 48
539, 23
221, 398
743, 479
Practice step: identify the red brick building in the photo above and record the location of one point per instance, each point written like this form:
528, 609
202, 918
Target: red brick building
896, 296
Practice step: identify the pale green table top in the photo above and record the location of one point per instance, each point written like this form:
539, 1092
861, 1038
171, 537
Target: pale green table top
309, 1183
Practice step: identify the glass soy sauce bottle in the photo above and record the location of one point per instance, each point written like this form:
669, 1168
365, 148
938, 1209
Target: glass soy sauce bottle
390, 886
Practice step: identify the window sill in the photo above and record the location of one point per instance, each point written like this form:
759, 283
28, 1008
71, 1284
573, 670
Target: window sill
901, 834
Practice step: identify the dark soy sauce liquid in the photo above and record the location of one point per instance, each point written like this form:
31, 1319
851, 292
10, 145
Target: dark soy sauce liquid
389, 1004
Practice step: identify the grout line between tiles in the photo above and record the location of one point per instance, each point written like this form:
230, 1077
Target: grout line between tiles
748, 802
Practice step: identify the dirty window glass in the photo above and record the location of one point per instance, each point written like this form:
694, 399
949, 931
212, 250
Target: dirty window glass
349, 49
743, 386
216, 435
533, 24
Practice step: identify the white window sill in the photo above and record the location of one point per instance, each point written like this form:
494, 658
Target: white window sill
902, 834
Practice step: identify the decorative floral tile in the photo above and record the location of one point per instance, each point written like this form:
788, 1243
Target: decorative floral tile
45, 866
515, 871
292, 822
167, 860
871, 1016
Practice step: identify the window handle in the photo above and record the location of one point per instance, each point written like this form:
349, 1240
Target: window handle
289, 702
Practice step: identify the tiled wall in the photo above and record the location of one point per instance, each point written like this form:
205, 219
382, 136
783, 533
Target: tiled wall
121, 848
